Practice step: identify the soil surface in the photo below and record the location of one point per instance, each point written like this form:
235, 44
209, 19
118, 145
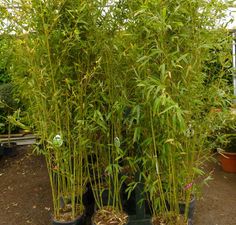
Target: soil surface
217, 206
25, 195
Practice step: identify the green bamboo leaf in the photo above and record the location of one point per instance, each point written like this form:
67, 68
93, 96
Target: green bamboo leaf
164, 10
98, 118
167, 109
149, 92
131, 187
163, 70
139, 12
198, 171
157, 105
143, 58
181, 120
137, 133
183, 57
158, 90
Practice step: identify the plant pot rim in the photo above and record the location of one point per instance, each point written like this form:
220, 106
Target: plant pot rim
223, 152
7, 143
229, 153
66, 222
228, 161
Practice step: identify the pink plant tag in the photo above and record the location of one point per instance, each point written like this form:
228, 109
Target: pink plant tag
188, 186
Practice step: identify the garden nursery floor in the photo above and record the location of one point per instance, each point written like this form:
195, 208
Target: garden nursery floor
25, 196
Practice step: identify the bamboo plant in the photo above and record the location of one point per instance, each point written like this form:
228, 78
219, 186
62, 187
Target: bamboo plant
169, 44
102, 78
57, 67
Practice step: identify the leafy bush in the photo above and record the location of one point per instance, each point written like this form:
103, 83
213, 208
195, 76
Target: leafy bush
9, 105
9, 95
133, 84
5, 56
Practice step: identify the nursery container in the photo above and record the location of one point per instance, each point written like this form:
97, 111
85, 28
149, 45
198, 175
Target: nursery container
9, 148
138, 215
73, 222
80, 220
135, 221
228, 161
105, 197
182, 208
1, 151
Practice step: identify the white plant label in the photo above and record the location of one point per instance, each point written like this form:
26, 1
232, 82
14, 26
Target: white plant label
57, 141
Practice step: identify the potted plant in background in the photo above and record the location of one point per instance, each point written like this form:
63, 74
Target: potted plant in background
10, 103
9, 97
227, 151
227, 157
8, 106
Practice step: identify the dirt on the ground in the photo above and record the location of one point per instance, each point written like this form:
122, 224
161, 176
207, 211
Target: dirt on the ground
217, 206
25, 193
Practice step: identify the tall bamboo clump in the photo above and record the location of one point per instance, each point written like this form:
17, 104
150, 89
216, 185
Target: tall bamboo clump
168, 46
58, 61
121, 86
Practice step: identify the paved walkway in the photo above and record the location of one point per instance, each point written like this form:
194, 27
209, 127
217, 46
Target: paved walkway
217, 206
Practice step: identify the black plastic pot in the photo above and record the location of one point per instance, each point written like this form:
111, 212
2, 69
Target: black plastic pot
1, 150
76, 221
137, 213
84, 220
81, 220
88, 202
133, 220
106, 200
182, 208
9, 148
130, 205
89, 209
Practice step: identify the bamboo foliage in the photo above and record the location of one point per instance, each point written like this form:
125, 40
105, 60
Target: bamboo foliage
169, 44
59, 64
123, 86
